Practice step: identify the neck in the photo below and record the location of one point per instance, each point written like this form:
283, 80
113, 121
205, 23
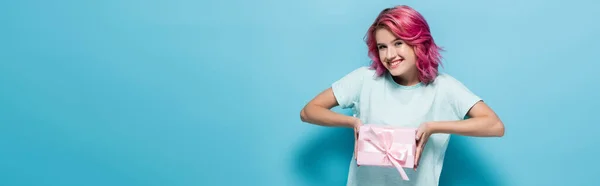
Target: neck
407, 80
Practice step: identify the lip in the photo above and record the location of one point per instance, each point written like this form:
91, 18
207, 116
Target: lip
396, 65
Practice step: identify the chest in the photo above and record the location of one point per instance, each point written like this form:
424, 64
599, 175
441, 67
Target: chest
400, 107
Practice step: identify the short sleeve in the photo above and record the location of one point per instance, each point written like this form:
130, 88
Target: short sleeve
460, 97
347, 89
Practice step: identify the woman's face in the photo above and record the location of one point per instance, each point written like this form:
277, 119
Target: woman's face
395, 55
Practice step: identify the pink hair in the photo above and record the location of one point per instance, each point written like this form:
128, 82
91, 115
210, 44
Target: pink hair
410, 26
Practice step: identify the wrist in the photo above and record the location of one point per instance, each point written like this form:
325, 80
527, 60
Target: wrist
353, 122
432, 127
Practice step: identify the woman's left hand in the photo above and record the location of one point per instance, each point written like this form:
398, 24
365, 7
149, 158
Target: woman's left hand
423, 133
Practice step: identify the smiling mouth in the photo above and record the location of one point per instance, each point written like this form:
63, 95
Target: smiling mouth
395, 63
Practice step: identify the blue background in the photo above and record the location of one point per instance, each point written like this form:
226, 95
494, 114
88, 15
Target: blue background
185, 93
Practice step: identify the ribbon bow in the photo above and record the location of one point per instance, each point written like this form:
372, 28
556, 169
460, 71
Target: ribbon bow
383, 142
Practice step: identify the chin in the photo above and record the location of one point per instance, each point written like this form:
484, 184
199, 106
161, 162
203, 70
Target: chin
397, 71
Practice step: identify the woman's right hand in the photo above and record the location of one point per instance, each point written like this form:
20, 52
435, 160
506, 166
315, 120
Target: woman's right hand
318, 111
356, 125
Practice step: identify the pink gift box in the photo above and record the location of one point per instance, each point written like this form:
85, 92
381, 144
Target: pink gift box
386, 146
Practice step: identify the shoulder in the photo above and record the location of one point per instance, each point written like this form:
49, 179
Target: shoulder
362, 73
348, 89
451, 86
445, 80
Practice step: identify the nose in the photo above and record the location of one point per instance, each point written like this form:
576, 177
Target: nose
391, 54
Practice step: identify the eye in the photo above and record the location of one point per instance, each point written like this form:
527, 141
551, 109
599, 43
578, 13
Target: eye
398, 43
380, 47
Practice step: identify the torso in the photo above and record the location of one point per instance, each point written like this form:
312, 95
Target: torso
383, 102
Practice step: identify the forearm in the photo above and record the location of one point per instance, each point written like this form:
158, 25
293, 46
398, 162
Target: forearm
479, 126
326, 117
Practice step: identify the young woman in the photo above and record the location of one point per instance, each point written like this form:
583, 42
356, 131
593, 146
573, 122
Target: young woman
402, 87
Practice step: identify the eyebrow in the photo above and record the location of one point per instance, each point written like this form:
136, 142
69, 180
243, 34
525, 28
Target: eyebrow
392, 41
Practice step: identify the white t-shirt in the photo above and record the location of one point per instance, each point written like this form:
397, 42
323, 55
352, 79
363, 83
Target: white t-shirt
381, 101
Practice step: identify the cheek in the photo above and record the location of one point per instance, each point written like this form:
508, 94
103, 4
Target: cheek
405, 51
410, 52
381, 58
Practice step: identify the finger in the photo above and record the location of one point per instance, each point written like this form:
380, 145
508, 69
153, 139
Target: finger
355, 142
421, 142
417, 157
418, 150
420, 147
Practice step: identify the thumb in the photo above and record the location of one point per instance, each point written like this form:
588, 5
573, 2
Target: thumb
419, 134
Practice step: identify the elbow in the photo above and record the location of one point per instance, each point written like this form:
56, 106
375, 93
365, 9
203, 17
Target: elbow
303, 116
498, 128
305, 113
